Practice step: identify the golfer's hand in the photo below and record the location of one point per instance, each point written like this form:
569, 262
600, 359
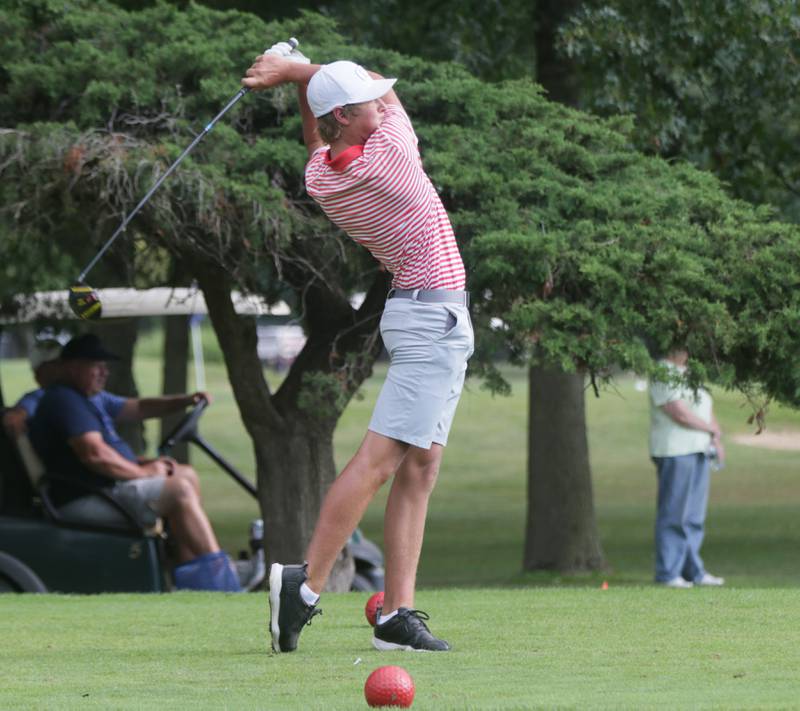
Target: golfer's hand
267, 71
284, 49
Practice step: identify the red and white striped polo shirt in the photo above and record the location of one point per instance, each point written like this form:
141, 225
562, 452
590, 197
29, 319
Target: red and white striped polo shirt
380, 195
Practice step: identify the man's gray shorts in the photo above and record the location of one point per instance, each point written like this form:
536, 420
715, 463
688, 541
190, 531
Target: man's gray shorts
139, 497
429, 345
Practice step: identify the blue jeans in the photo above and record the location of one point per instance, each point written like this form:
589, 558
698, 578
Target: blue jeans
683, 484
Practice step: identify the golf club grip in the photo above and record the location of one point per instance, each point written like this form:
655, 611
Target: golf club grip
292, 42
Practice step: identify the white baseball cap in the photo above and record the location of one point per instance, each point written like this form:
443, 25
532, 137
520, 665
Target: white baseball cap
342, 83
43, 352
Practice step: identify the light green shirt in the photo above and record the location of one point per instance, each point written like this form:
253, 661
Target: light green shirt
667, 437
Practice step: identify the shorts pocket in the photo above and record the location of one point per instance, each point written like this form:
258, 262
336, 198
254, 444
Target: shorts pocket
451, 322
458, 336
415, 323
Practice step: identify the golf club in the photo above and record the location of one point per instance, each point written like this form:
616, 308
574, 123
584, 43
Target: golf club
83, 300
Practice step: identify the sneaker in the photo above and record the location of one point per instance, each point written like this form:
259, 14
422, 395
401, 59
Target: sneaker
252, 572
407, 631
678, 582
288, 612
710, 580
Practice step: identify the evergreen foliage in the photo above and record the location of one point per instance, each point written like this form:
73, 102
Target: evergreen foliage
713, 82
580, 248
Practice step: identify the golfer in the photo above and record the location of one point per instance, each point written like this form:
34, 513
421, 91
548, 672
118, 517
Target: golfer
365, 172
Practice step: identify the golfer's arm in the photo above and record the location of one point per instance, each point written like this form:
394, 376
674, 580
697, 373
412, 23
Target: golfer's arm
680, 413
95, 454
311, 135
391, 97
301, 73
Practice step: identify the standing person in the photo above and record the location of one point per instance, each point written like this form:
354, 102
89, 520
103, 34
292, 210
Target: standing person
684, 434
365, 172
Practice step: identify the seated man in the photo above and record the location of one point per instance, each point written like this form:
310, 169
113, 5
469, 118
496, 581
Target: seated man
46, 370
73, 432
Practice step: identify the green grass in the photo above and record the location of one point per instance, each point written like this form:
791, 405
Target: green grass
624, 648
520, 640
477, 518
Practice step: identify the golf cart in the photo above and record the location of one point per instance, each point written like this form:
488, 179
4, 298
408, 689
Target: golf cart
48, 548
44, 548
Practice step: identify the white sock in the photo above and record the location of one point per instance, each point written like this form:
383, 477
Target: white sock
386, 618
308, 595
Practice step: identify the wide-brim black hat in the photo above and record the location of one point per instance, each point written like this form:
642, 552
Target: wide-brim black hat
86, 347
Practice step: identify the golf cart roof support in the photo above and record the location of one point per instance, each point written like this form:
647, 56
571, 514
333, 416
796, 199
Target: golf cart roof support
126, 303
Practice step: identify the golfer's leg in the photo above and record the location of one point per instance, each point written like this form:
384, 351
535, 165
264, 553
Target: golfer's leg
404, 524
193, 532
694, 568
376, 460
670, 534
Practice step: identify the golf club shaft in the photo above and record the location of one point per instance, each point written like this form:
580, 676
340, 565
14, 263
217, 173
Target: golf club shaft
244, 90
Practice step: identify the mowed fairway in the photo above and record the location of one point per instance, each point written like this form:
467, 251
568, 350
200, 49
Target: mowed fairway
520, 640
513, 649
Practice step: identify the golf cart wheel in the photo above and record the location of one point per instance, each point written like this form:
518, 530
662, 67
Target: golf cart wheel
15, 576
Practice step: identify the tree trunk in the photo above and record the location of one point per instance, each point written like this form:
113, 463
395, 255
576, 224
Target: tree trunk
561, 532
296, 466
294, 459
174, 375
119, 336
292, 439
2, 399
554, 71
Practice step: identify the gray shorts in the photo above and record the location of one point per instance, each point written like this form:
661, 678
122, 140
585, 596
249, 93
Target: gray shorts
140, 497
428, 345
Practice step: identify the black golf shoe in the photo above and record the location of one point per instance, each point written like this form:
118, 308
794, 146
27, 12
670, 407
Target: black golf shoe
288, 612
407, 631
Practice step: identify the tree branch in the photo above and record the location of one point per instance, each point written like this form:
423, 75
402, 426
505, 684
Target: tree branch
239, 340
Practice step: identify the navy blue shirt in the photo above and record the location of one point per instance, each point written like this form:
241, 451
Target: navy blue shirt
64, 413
30, 401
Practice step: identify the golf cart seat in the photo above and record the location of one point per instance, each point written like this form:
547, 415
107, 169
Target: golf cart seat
44, 547
96, 509
34, 467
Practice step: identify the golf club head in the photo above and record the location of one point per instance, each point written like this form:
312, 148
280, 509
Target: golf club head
84, 302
